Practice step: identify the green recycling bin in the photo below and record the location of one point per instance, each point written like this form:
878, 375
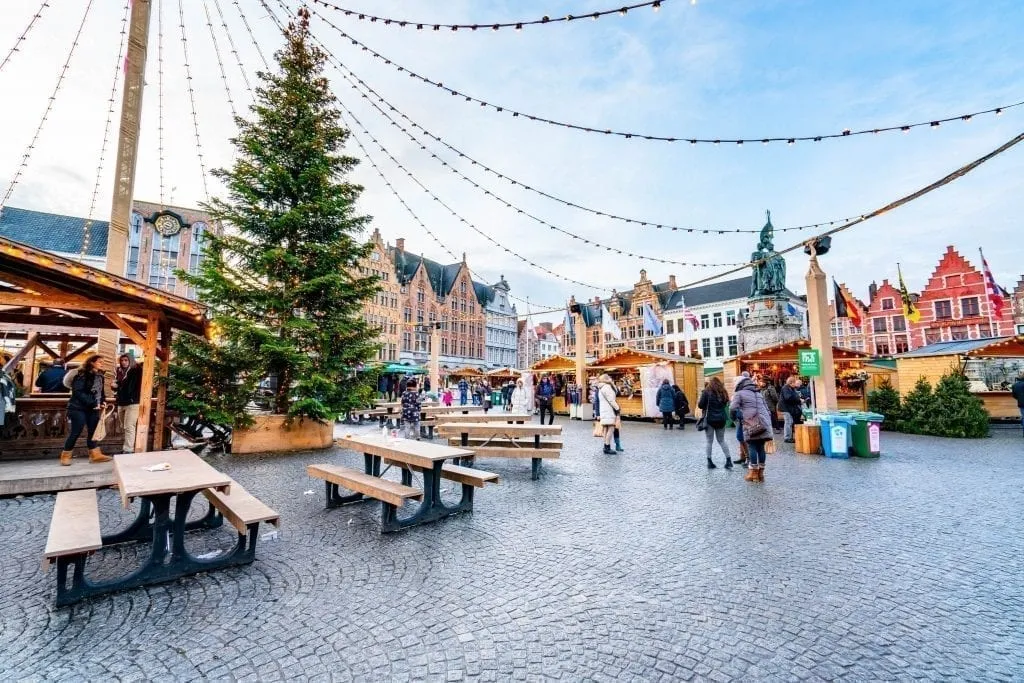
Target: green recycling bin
495, 398
867, 434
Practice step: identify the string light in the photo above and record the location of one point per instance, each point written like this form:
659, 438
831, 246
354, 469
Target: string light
591, 243
111, 101
192, 100
160, 98
518, 25
234, 49
628, 135
518, 183
26, 157
220, 62
24, 34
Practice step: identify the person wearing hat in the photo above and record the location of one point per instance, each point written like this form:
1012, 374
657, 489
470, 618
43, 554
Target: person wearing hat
666, 401
752, 412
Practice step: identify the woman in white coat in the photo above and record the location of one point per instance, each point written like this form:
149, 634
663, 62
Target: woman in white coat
520, 399
609, 410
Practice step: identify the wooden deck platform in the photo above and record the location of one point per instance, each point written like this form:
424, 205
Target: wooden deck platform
26, 477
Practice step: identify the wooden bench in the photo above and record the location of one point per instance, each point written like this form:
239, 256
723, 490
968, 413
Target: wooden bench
387, 492
74, 527
464, 475
478, 442
241, 508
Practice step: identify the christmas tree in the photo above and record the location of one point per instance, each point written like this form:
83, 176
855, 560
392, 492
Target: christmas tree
919, 408
960, 413
282, 282
885, 400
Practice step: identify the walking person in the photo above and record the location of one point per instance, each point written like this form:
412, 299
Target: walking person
1017, 390
608, 409
682, 405
792, 407
411, 410
545, 396
519, 399
666, 401
713, 402
127, 385
463, 391
771, 399
752, 410
85, 407
51, 380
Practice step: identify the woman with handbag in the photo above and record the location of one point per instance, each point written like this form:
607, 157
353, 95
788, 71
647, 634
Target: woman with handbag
757, 425
714, 401
609, 411
85, 408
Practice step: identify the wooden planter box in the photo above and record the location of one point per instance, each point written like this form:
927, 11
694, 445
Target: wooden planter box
268, 434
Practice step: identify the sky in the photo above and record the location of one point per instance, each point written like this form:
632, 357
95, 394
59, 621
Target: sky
714, 69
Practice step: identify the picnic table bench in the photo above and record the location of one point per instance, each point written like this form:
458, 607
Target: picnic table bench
411, 456
75, 526
506, 440
459, 418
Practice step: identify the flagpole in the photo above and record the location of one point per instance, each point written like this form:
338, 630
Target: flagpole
686, 329
993, 330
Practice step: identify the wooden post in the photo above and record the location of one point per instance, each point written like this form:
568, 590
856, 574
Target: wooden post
435, 358
146, 391
581, 352
821, 335
161, 389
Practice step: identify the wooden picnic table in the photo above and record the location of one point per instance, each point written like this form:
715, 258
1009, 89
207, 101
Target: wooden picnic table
493, 416
185, 476
506, 440
425, 458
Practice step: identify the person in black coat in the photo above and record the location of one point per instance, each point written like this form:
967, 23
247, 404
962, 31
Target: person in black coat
666, 401
792, 405
51, 380
85, 407
682, 405
1018, 393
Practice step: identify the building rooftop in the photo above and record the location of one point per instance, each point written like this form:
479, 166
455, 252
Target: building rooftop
53, 232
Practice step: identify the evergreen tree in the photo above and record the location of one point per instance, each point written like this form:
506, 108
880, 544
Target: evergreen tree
282, 283
959, 413
919, 408
885, 400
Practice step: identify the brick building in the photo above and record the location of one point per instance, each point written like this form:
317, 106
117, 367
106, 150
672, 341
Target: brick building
954, 305
1018, 306
383, 311
886, 330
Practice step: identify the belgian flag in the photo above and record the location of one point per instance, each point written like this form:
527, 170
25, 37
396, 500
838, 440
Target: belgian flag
846, 307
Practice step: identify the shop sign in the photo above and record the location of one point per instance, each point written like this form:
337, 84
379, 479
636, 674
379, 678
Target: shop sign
810, 362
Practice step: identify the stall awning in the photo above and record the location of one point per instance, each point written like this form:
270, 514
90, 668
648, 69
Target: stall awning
631, 358
994, 347
787, 353
555, 364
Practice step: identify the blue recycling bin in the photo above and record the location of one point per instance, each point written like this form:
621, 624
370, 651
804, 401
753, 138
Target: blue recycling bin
836, 434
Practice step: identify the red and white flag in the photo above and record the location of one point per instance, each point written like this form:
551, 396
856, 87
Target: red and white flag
994, 291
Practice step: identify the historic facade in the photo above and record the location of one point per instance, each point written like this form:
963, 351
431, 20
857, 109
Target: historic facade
501, 317
886, 330
383, 311
702, 322
954, 305
845, 334
1018, 306
161, 240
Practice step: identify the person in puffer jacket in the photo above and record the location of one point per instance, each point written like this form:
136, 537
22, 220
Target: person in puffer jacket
752, 409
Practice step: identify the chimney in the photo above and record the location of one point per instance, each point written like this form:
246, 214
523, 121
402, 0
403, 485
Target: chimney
400, 244
597, 300
672, 283
872, 292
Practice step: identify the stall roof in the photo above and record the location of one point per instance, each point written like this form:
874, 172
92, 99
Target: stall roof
504, 372
467, 372
635, 357
993, 346
554, 364
33, 278
774, 352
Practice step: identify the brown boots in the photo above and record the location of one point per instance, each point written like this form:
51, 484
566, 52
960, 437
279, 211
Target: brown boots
95, 455
755, 474
65, 458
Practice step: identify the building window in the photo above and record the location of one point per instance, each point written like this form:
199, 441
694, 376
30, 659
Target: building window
408, 315
901, 344
943, 310
671, 347
959, 333
421, 297
932, 336
134, 242
163, 261
899, 323
879, 324
730, 318
704, 321
670, 327
881, 347
734, 348
195, 252
705, 345
984, 331
969, 307
887, 304
717, 319
719, 347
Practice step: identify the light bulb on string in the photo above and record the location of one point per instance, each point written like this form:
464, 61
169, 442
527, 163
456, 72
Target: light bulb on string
656, 6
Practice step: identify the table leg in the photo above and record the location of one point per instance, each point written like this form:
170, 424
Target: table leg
535, 469
431, 508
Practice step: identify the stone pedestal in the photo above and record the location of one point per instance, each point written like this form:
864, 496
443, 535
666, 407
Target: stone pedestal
767, 324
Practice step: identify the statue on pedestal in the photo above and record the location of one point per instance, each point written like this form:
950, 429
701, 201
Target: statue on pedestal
769, 267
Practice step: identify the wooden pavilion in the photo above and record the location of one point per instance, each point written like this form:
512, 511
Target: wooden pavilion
565, 368
625, 367
61, 308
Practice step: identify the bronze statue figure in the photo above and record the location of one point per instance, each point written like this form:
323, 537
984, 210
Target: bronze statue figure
769, 278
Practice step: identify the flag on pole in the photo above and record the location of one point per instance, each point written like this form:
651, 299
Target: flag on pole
910, 311
846, 307
994, 291
610, 325
691, 319
651, 322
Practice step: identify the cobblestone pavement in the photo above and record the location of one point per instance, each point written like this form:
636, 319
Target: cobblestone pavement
639, 566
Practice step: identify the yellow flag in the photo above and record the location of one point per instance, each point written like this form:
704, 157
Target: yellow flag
910, 311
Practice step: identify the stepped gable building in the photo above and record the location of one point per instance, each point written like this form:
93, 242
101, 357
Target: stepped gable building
845, 334
954, 305
886, 331
161, 240
383, 311
1018, 306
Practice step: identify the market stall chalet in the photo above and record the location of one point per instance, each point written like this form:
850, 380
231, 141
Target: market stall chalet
56, 308
990, 366
638, 374
778, 362
503, 375
561, 369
